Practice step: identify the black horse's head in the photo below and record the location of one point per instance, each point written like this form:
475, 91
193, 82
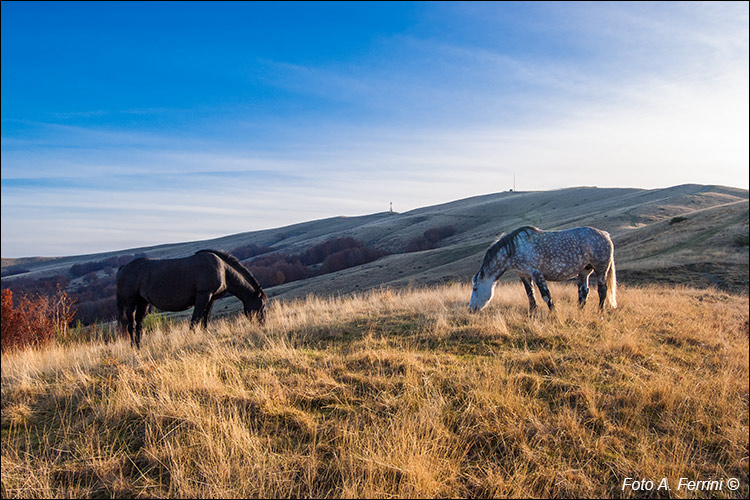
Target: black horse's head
255, 306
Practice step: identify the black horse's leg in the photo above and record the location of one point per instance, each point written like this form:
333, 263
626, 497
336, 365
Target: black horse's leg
583, 287
202, 302
542, 284
140, 313
529, 286
601, 287
130, 318
207, 312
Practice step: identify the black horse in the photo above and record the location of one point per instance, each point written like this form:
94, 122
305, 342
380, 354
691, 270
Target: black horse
178, 284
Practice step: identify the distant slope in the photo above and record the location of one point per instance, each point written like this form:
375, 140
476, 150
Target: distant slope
699, 250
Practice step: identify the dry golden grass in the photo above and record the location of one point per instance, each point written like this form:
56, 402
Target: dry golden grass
393, 394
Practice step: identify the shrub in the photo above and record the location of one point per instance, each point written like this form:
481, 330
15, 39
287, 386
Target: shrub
41, 286
349, 258
78, 270
276, 269
93, 311
13, 270
34, 321
430, 238
676, 220
247, 251
327, 257
318, 253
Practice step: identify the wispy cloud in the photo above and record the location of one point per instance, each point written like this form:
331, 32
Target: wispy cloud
630, 95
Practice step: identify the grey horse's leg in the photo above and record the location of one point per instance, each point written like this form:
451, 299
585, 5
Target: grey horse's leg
202, 302
529, 286
140, 312
542, 284
601, 287
583, 287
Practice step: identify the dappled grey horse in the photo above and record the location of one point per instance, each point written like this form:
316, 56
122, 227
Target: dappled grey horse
178, 284
540, 256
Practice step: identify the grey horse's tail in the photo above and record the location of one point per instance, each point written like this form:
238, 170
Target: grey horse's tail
612, 283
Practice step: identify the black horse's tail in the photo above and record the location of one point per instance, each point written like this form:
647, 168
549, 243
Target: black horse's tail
121, 317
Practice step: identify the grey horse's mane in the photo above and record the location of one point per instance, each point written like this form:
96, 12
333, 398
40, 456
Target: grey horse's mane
507, 242
236, 265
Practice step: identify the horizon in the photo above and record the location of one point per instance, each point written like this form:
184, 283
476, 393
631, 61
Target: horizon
444, 202
134, 125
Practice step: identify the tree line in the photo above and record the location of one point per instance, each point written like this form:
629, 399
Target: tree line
35, 310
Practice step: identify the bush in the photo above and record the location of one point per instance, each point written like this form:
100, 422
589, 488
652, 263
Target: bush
350, 257
247, 251
276, 269
318, 253
95, 295
13, 270
34, 321
94, 311
42, 286
430, 238
78, 270
273, 269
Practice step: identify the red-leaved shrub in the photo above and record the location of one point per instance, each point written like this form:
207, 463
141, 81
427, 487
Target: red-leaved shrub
34, 321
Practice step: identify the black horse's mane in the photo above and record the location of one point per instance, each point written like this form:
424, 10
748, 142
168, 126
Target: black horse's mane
237, 265
508, 242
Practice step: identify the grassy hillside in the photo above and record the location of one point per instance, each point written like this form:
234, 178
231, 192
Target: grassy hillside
393, 393
689, 234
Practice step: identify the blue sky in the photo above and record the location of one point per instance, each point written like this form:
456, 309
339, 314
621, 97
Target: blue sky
132, 124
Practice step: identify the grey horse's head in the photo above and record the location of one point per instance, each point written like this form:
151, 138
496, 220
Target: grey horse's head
483, 288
